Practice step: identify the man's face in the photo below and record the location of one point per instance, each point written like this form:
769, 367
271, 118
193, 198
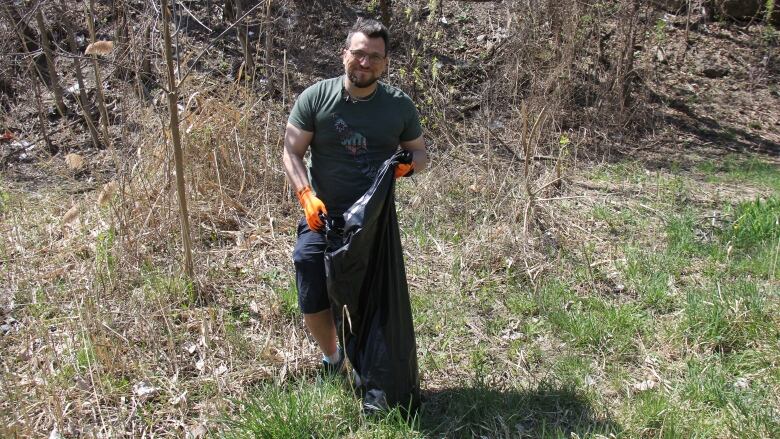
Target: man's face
364, 60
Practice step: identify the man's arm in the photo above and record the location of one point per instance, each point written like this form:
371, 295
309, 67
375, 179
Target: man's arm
296, 142
420, 154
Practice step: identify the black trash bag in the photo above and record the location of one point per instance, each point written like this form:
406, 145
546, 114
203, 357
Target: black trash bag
366, 283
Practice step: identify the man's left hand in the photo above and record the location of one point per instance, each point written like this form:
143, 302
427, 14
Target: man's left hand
405, 166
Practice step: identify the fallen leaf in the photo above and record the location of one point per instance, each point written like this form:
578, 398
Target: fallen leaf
741, 384
645, 385
74, 161
59, 273
71, 214
145, 391
7, 136
179, 400
100, 48
191, 348
107, 192
196, 432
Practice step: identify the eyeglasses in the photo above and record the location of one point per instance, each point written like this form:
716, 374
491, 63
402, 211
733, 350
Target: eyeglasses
373, 58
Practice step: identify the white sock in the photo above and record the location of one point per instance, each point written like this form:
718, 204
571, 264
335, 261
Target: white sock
335, 358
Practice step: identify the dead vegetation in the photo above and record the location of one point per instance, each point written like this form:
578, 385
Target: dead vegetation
104, 336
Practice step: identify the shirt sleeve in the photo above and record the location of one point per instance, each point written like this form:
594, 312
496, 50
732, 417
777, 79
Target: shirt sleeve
412, 127
302, 114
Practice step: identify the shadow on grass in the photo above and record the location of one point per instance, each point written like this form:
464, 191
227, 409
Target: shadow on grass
725, 136
483, 412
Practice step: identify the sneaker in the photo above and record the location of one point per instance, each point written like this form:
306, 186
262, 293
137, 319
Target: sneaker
334, 368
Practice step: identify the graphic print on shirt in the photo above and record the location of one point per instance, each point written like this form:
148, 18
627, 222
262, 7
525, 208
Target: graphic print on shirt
356, 144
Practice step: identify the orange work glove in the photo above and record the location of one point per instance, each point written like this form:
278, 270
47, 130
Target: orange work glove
405, 167
312, 208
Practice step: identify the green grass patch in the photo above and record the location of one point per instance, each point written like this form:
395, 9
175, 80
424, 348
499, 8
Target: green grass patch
681, 237
619, 221
288, 300
755, 222
729, 317
737, 168
285, 291
5, 200
602, 327
323, 409
754, 237
628, 172
105, 261
651, 275
731, 403
158, 286
654, 414
572, 370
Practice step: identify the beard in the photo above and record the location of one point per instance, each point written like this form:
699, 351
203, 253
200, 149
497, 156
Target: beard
367, 81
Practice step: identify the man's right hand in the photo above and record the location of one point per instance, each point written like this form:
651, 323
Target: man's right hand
312, 207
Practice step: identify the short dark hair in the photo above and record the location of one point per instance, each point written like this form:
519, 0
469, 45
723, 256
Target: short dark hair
372, 29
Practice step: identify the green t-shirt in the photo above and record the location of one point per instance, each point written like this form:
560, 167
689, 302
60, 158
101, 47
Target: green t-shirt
351, 139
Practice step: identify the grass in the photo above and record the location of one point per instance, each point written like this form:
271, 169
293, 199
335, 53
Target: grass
508, 345
736, 168
325, 408
625, 300
539, 358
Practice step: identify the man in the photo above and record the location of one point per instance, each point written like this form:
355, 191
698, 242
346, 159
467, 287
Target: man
353, 123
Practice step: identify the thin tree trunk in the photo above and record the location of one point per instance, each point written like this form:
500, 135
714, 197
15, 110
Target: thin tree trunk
42, 117
269, 42
121, 39
177, 150
28, 39
54, 78
144, 74
32, 68
243, 38
98, 82
627, 72
83, 99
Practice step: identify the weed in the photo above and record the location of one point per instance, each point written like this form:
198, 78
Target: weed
572, 370
324, 409
521, 302
157, 286
545, 410
681, 236
628, 172
653, 414
104, 257
285, 291
5, 200
756, 222
709, 387
660, 31
602, 327
650, 274
754, 233
728, 317
288, 300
